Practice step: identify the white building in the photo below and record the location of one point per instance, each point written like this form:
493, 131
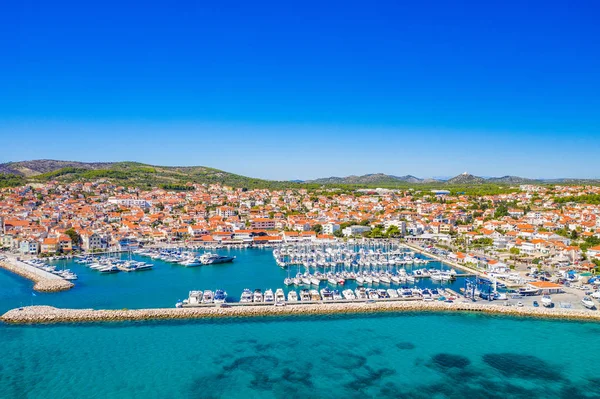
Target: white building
355, 230
330, 228
129, 202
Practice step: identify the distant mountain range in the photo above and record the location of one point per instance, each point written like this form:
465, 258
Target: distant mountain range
134, 173
462, 179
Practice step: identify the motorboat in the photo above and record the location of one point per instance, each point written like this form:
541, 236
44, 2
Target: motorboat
246, 296
547, 301
292, 296
195, 297
326, 294
269, 296
212, 259
279, 295
191, 262
588, 302
208, 296
348, 294
305, 295
220, 296
361, 293
314, 295
258, 296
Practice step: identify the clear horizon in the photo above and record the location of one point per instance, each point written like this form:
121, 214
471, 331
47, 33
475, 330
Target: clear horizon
284, 92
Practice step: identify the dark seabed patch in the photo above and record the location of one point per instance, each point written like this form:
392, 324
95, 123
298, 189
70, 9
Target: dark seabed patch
297, 376
374, 352
527, 367
372, 378
448, 361
251, 363
287, 344
346, 361
405, 346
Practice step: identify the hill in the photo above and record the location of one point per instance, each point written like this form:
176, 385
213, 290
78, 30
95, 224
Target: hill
126, 173
465, 178
176, 177
369, 179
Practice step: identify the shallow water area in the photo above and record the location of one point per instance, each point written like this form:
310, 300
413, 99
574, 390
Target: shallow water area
393, 355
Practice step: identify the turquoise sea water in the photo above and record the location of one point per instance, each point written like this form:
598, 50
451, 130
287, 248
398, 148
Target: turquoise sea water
382, 356
366, 356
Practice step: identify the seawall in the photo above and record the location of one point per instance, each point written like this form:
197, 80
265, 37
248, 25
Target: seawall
44, 281
47, 314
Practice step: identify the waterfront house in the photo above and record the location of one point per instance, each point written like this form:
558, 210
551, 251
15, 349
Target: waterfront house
49, 245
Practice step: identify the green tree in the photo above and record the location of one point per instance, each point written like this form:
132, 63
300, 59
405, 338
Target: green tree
74, 236
317, 228
501, 211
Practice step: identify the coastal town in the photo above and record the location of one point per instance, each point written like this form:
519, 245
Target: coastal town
540, 239
547, 227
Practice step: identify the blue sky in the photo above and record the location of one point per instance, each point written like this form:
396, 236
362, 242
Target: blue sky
288, 90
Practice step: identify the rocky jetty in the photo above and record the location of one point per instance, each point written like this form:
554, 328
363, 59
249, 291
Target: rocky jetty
44, 282
47, 314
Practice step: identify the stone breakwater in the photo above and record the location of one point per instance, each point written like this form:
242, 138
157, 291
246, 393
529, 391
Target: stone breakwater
47, 314
44, 281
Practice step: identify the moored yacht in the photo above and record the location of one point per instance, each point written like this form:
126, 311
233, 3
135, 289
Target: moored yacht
292, 296
258, 296
326, 294
195, 297
208, 296
212, 259
279, 295
305, 295
269, 297
246, 296
220, 296
348, 294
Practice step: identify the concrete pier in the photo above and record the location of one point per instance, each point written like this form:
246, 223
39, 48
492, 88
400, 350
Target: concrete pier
47, 314
44, 281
